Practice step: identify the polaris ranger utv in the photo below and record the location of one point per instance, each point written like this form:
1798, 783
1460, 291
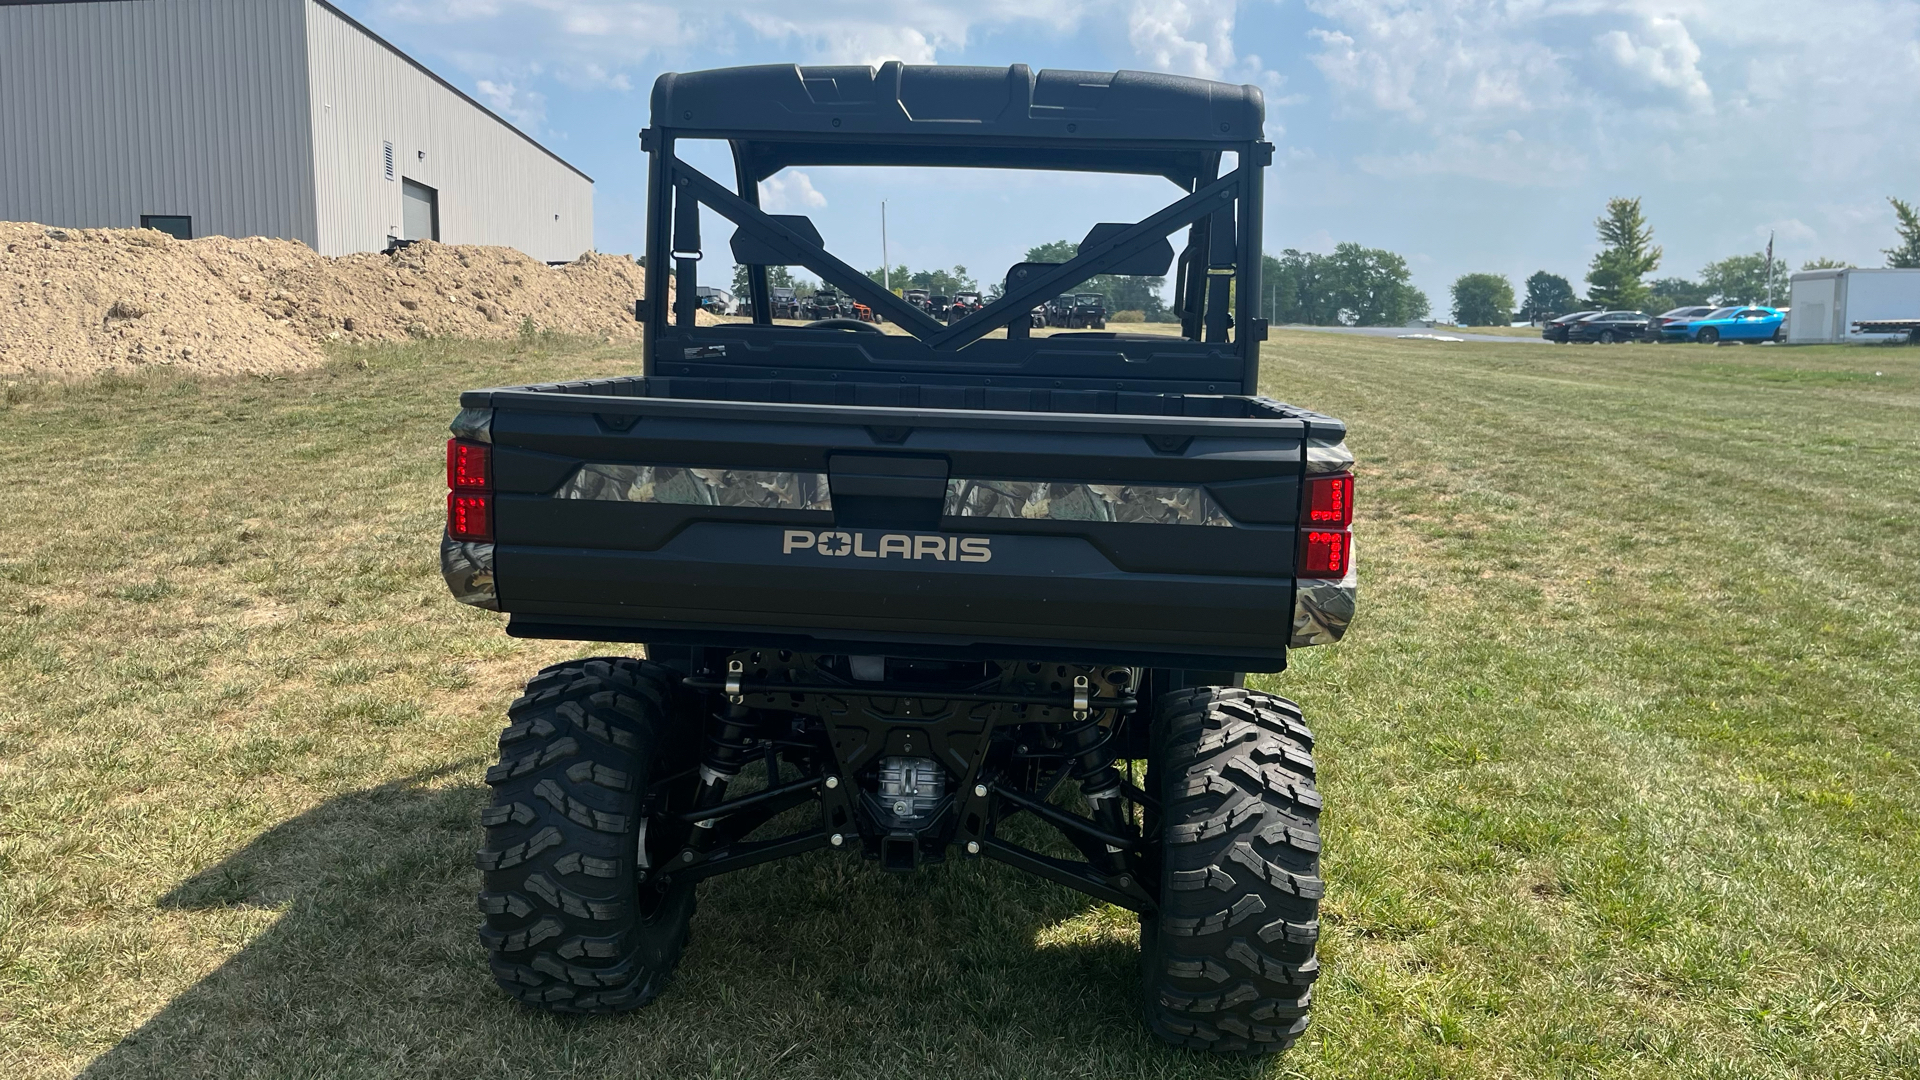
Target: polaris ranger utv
901, 591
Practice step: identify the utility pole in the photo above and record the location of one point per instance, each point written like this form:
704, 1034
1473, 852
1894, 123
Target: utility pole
1769, 268
886, 264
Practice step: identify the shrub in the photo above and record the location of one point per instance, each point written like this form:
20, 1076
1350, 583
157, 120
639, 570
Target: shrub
1128, 316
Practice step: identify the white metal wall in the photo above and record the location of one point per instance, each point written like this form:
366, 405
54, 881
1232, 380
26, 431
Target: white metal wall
118, 108
496, 186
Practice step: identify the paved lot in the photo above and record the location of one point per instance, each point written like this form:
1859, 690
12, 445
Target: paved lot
1402, 331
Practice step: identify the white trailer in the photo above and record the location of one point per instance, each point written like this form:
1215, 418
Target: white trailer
1826, 304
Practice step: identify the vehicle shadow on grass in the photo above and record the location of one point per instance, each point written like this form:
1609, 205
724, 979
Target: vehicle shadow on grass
817, 966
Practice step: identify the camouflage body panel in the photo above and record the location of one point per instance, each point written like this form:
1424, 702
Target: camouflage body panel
468, 567
1145, 504
473, 424
672, 484
1322, 610
1326, 457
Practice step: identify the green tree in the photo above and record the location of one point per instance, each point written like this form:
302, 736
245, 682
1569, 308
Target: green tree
776, 275
942, 282
1824, 263
1057, 252
1673, 292
1121, 292
1743, 279
1905, 255
1627, 255
1374, 288
1482, 300
1354, 286
1548, 295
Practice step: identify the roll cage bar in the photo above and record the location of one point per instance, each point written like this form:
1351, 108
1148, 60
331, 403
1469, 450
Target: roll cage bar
1218, 351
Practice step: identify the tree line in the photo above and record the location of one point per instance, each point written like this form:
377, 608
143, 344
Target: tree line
1361, 286
1617, 277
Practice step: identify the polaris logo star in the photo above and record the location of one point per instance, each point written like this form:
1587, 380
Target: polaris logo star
906, 546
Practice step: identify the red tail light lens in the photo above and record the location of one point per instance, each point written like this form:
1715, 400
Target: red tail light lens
469, 465
469, 517
1330, 501
1326, 554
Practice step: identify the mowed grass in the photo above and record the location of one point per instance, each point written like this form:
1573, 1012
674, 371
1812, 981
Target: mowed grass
1620, 755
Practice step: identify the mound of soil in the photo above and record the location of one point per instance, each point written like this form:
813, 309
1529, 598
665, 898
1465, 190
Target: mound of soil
81, 302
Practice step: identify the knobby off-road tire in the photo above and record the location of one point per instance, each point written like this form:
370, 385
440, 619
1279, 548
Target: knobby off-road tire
1229, 959
571, 924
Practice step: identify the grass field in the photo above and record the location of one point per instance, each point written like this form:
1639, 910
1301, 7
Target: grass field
1620, 755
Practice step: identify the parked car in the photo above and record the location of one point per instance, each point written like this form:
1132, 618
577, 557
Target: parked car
1609, 327
864, 313
1741, 322
937, 305
964, 304
1556, 329
917, 297
1670, 325
784, 303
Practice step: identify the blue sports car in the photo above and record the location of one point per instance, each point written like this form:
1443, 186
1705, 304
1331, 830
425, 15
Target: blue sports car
1738, 323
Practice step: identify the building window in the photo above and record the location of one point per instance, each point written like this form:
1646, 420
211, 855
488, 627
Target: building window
389, 154
178, 226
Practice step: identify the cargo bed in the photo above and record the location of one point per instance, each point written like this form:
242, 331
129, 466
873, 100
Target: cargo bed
1107, 526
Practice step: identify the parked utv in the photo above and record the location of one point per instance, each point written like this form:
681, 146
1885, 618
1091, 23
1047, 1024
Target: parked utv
899, 591
963, 305
825, 303
1089, 310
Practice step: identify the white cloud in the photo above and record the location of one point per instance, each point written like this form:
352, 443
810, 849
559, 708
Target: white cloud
789, 191
1653, 87
1661, 56
526, 109
1188, 37
834, 39
593, 43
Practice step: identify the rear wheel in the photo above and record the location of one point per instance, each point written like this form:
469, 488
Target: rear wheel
1607, 337
579, 820
1708, 336
1228, 960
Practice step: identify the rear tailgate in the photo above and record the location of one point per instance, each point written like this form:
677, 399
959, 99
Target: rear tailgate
1166, 540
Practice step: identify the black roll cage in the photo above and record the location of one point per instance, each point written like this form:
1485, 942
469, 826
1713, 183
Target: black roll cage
1220, 324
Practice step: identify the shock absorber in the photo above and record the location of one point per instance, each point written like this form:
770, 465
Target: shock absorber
1091, 749
729, 742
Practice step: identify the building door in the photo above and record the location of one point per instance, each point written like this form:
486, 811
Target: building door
419, 211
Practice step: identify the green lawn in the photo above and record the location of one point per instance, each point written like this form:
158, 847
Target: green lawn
1619, 758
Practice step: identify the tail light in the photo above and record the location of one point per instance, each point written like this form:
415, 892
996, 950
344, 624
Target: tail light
1329, 501
1326, 543
469, 465
1326, 554
470, 500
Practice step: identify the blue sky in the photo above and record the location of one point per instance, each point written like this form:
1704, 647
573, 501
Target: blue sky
1467, 135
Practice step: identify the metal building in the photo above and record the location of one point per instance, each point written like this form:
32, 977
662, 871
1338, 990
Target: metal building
262, 118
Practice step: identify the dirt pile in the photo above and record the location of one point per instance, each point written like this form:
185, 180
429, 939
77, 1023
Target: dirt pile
80, 302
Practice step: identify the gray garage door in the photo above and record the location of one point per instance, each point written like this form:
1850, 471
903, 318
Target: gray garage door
420, 211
